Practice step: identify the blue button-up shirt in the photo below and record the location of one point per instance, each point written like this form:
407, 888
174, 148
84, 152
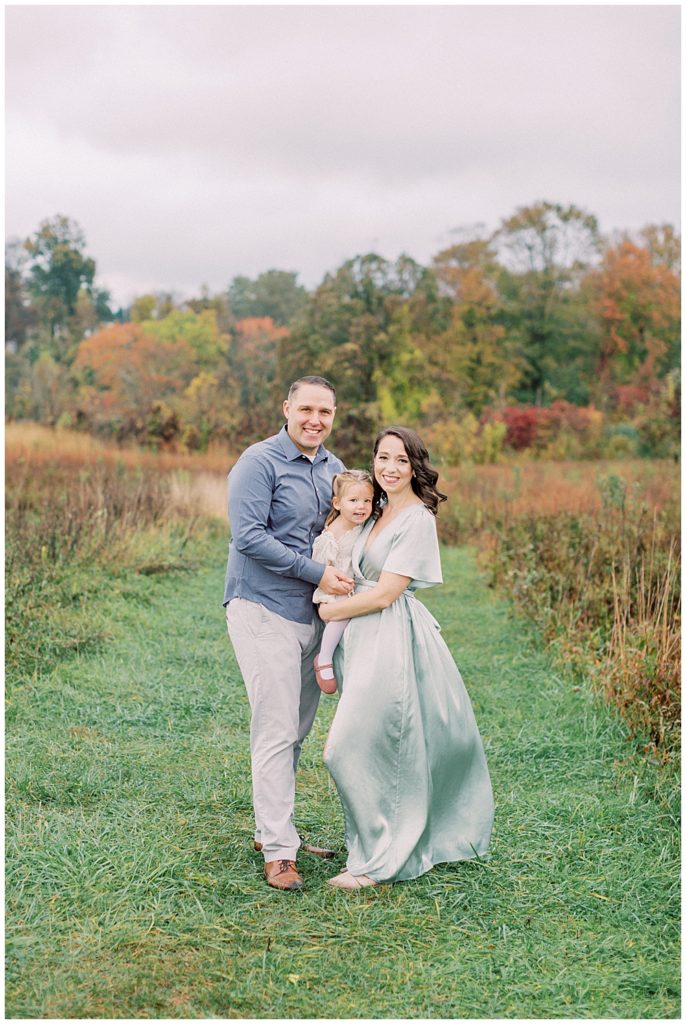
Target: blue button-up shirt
278, 501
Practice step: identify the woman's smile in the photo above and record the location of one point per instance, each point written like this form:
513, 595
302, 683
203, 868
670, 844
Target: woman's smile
392, 466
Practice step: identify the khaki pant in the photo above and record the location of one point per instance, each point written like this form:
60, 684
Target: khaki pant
275, 657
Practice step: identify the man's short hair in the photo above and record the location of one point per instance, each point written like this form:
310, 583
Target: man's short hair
320, 382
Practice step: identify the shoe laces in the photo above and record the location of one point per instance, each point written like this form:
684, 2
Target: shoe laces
284, 865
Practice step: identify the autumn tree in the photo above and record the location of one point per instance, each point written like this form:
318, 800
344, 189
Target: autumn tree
129, 381
143, 307
637, 297
210, 411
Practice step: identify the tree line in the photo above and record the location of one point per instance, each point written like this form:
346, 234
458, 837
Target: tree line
542, 336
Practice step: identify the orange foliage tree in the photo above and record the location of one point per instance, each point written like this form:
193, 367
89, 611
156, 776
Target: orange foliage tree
128, 379
638, 303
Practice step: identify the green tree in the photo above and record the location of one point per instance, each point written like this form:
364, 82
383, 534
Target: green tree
20, 317
253, 358
362, 328
218, 303
546, 250
58, 272
663, 244
143, 308
199, 330
42, 392
473, 359
275, 294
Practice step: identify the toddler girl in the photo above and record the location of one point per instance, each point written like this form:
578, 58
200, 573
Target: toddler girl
353, 493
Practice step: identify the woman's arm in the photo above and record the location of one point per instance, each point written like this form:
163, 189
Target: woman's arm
387, 590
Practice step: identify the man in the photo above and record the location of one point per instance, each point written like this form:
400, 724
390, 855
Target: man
279, 497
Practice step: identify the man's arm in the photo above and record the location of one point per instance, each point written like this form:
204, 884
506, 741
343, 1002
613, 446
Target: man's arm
250, 497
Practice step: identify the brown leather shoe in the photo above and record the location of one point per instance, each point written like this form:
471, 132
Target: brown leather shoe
316, 851
282, 874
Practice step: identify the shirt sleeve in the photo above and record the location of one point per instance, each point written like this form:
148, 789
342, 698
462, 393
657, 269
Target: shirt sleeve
414, 551
251, 486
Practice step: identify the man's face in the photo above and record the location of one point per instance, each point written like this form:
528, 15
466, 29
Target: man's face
309, 417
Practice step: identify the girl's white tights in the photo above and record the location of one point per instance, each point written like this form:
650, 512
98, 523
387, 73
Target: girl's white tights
333, 631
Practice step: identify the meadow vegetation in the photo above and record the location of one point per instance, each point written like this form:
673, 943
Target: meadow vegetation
541, 364
78, 514
132, 890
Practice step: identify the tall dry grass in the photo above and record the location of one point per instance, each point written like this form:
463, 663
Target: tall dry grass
32, 441
642, 671
77, 513
591, 553
482, 498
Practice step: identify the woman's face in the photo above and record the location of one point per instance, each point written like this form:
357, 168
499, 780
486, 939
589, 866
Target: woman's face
392, 466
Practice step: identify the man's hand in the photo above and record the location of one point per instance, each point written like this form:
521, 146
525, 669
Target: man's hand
335, 582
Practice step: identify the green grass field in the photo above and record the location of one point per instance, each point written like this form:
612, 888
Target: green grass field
132, 889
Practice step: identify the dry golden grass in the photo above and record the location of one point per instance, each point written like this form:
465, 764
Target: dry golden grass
204, 492
39, 443
546, 488
477, 494
196, 480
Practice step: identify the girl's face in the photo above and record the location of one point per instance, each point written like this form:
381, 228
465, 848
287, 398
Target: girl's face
392, 466
355, 503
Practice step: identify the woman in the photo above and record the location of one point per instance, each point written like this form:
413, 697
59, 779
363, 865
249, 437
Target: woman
404, 749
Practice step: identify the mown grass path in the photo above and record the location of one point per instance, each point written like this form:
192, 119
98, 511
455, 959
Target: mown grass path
133, 891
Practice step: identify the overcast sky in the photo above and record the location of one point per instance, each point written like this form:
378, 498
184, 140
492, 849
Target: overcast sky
196, 143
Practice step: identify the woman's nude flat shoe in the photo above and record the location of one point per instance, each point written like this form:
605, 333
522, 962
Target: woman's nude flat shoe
347, 881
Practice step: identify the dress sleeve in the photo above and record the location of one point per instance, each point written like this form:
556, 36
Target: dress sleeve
414, 551
325, 548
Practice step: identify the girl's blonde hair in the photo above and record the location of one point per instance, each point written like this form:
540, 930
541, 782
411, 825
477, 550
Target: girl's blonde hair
341, 482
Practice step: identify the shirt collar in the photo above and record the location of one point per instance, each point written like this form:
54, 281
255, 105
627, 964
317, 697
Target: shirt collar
292, 452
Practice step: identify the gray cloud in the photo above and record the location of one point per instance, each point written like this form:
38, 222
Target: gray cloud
194, 143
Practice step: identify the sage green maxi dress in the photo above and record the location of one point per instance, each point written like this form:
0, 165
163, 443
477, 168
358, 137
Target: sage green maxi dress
404, 749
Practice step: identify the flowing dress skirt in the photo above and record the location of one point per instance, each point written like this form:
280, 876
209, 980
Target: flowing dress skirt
404, 749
